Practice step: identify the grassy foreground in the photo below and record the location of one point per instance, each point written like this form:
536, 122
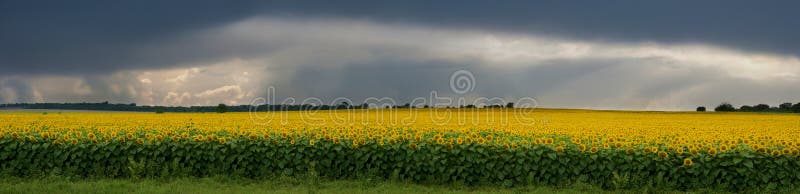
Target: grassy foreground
277, 185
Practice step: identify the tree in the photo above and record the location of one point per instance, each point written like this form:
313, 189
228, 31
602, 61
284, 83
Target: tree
746, 108
761, 107
725, 107
510, 105
222, 108
701, 109
796, 108
786, 107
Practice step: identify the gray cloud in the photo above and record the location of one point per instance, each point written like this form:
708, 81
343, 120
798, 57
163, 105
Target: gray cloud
99, 36
615, 55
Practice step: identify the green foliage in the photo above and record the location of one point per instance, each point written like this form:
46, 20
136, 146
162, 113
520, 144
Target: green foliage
222, 108
468, 164
725, 107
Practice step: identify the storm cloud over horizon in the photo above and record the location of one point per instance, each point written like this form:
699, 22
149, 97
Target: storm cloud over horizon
607, 55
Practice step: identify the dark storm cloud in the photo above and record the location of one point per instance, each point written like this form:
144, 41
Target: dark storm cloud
82, 37
746, 24
603, 54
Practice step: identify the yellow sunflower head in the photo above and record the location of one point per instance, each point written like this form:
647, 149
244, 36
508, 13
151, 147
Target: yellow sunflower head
712, 151
775, 153
663, 154
222, 140
559, 149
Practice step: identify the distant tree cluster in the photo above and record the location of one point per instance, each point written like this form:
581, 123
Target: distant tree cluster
221, 108
785, 107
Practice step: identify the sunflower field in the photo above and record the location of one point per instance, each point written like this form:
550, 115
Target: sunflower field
734, 151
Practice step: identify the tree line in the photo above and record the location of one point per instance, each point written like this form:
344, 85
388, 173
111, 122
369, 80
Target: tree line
727, 107
221, 108
105, 106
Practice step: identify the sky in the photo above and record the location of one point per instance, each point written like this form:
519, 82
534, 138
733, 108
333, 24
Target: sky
642, 55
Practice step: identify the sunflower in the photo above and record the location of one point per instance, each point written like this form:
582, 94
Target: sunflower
412, 146
582, 148
712, 151
311, 142
663, 154
559, 149
687, 162
140, 141
776, 153
594, 149
211, 137
222, 140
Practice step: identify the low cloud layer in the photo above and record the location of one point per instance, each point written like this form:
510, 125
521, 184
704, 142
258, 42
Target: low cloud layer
236, 59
